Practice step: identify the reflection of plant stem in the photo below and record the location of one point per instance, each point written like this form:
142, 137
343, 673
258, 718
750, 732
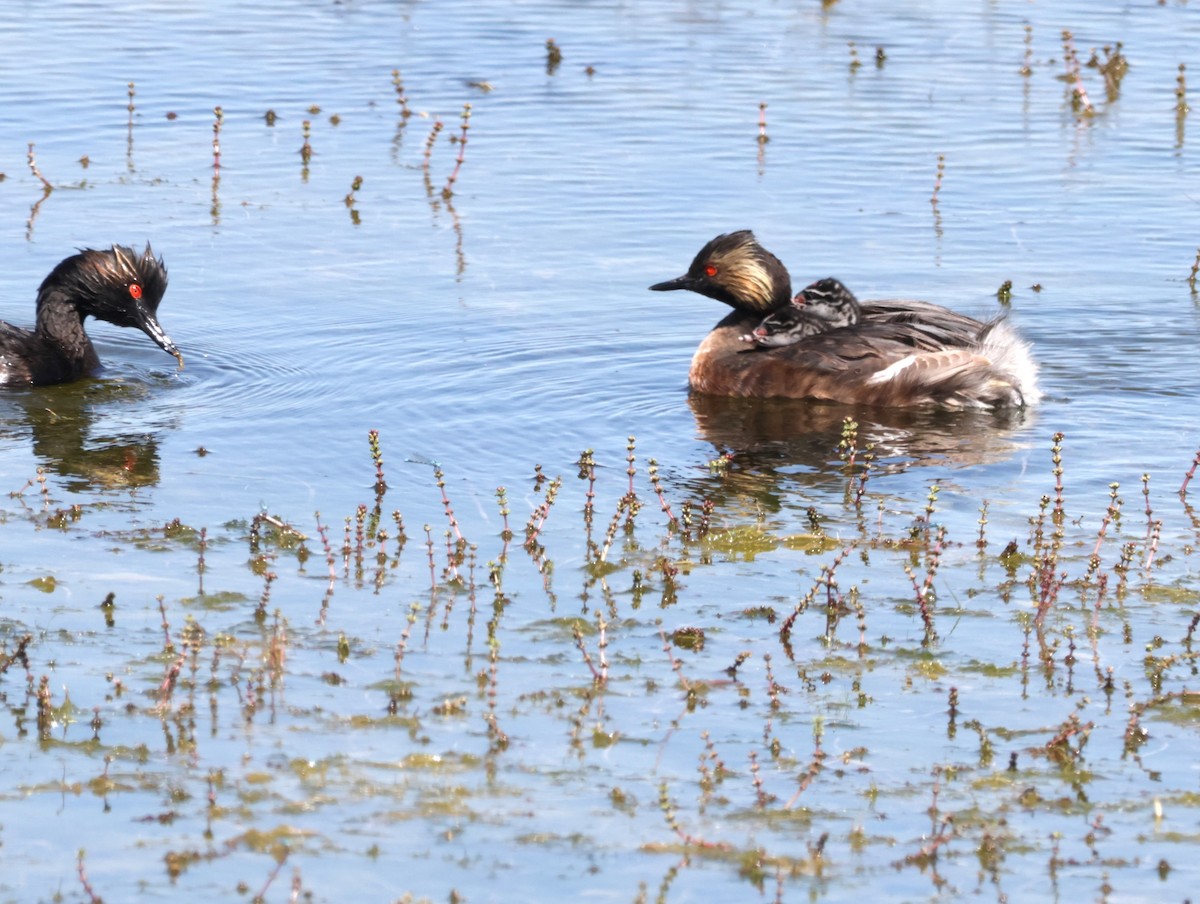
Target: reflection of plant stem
214, 209
200, 564
447, 193
33, 212
933, 199
306, 150
455, 223
460, 259
129, 131
401, 99
763, 138
37, 205
1181, 105
350, 200
405, 112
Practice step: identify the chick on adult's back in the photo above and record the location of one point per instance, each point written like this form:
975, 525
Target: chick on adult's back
817, 308
900, 353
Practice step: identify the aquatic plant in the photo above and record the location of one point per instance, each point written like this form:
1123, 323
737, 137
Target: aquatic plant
554, 56
465, 125
253, 656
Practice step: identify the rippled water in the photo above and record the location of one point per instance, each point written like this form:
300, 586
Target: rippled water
511, 326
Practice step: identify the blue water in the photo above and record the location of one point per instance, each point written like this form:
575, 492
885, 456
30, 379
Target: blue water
510, 326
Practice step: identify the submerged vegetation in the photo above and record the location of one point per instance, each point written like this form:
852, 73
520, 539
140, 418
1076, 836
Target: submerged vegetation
819, 676
946, 707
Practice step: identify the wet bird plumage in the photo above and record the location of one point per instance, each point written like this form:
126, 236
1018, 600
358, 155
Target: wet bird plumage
117, 285
817, 308
900, 354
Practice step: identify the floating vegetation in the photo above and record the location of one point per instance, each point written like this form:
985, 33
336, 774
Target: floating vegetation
1113, 68
1080, 103
554, 56
1031, 648
763, 677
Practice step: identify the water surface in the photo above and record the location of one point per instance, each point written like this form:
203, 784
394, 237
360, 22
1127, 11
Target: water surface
510, 326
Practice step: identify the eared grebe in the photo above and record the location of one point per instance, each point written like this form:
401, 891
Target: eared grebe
817, 308
900, 354
114, 285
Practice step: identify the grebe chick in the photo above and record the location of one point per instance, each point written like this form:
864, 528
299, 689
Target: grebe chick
817, 308
900, 354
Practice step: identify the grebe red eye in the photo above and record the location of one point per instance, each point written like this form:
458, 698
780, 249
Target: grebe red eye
135, 291
710, 270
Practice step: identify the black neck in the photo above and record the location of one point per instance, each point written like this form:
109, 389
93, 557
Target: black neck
60, 321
